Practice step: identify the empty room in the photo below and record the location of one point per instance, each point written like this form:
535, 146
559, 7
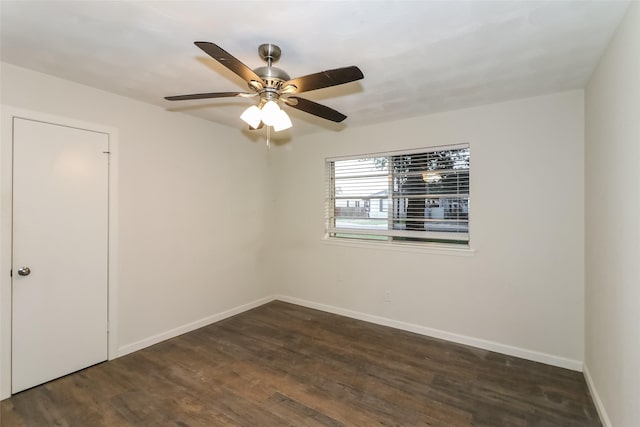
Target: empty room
319, 213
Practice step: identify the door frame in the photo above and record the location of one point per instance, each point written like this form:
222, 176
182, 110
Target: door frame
7, 115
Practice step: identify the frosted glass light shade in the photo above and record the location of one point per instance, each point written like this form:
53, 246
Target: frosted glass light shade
252, 116
270, 112
283, 121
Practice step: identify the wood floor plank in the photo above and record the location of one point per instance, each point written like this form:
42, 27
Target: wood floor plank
281, 364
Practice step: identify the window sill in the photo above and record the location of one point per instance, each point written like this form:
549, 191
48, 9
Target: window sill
425, 248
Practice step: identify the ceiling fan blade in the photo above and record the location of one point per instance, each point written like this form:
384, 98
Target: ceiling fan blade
229, 61
203, 96
324, 79
314, 108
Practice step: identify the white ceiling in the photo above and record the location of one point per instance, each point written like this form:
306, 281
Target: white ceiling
418, 57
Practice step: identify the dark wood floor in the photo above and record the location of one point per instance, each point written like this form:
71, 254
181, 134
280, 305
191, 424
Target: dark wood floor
281, 364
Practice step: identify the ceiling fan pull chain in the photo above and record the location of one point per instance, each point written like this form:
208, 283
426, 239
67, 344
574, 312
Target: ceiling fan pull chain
268, 138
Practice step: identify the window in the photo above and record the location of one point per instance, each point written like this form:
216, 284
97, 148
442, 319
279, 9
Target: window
409, 196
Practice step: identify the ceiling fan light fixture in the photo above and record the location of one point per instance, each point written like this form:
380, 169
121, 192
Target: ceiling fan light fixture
252, 116
283, 121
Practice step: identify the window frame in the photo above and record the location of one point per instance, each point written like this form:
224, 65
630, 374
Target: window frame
392, 235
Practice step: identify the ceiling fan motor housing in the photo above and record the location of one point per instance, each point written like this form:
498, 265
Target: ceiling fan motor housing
272, 76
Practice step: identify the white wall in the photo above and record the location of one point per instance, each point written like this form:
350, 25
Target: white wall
193, 243
521, 291
190, 210
612, 355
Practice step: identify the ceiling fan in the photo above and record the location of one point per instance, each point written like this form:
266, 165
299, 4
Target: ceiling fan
273, 85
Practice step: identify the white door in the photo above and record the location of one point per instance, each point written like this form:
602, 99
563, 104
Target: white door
60, 226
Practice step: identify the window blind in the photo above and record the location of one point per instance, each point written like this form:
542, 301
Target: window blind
414, 195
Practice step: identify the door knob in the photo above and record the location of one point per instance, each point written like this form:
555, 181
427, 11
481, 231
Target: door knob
24, 271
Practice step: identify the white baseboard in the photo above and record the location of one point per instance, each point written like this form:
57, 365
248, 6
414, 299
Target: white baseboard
139, 345
604, 418
549, 359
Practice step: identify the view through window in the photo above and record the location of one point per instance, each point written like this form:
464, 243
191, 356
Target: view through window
416, 196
